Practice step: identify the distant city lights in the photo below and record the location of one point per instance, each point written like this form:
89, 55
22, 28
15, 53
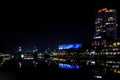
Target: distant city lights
97, 37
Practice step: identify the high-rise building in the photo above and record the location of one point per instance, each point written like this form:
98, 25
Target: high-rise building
105, 40
106, 22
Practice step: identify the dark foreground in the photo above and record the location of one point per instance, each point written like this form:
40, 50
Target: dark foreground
43, 72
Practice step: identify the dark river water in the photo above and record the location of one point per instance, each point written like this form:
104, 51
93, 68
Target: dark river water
54, 68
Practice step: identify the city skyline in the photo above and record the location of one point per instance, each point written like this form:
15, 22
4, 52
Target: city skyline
61, 26
49, 39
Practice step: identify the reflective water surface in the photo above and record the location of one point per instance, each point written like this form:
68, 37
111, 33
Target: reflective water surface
59, 68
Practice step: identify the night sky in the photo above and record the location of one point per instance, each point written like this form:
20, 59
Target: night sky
48, 25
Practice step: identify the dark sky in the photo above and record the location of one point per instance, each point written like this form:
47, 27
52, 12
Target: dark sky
50, 24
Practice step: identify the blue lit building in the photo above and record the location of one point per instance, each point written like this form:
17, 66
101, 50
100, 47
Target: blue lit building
70, 46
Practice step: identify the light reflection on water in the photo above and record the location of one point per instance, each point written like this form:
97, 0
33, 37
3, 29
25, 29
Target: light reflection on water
99, 67
96, 65
68, 66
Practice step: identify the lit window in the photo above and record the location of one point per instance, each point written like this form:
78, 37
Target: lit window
110, 18
114, 44
97, 20
109, 10
98, 30
118, 43
118, 52
106, 23
107, 53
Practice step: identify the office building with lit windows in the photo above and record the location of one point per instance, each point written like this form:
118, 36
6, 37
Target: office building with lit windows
105, 40
106, 22
105, 27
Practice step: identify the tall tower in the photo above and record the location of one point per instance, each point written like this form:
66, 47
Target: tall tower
106, 22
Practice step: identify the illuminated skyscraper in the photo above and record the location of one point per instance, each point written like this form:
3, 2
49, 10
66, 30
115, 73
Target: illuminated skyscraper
106, 22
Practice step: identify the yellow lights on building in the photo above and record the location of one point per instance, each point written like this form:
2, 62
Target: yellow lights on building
110, 19
119, 71
106, 20
59, 59
118, 43
108, 23
116, 71
59, 53
114, 44
98, 27
98, 20
111, 10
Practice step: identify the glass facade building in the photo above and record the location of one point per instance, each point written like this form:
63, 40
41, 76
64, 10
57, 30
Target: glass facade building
106, 22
